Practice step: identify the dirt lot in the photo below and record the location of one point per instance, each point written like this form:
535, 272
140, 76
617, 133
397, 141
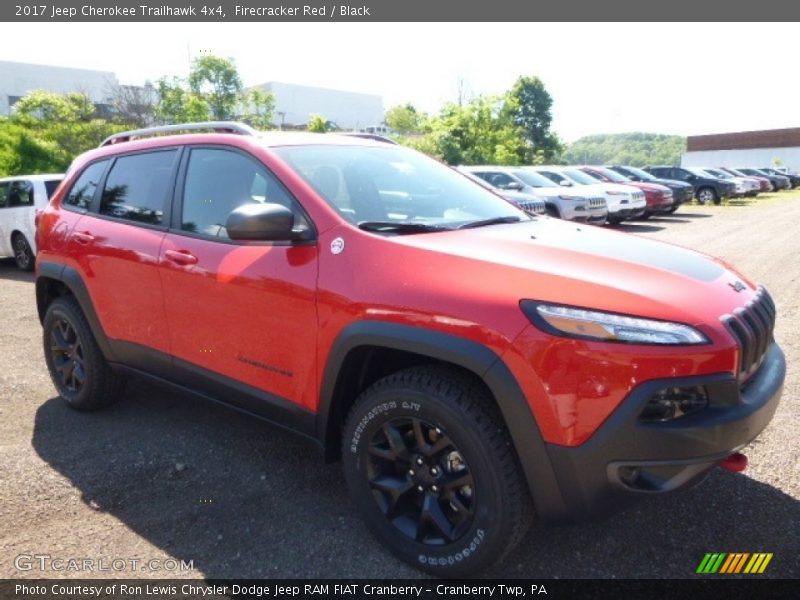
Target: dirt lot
162, 476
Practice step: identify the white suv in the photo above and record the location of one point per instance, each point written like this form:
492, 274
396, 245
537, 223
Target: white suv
20, 198
624, 201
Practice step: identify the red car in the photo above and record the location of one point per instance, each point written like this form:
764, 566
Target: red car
658, 197
472, 365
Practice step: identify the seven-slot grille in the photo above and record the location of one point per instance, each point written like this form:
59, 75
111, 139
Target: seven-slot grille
752, 327
534, 207
596, 202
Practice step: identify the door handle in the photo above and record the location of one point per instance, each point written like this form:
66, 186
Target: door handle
83, 237
181, 257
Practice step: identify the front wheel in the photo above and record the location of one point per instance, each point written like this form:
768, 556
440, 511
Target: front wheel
429, 463
706, 195
23, 255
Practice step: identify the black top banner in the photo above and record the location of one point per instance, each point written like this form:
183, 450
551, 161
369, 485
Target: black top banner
398, 10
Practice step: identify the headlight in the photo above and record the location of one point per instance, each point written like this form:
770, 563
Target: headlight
614, 193
582, 323
573, 198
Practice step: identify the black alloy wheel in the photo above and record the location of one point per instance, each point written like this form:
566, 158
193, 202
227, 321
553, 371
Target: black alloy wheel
420, 481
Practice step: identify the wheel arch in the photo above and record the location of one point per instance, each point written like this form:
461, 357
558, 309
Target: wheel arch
368, 350
54, 280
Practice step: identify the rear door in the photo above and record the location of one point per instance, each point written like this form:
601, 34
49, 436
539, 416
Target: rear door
5, 220
116, 245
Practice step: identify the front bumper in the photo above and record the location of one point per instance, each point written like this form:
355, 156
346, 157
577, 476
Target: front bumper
596, 477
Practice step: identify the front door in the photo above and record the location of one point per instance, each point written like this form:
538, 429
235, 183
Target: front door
239, 312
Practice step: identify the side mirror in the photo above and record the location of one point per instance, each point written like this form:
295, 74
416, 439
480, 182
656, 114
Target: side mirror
514, 186
260, 222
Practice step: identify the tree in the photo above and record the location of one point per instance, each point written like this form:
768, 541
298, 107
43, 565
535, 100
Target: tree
41, 106
177, 105
478, 132
258, 108
529, 106
405, 120
216, 81
318, 124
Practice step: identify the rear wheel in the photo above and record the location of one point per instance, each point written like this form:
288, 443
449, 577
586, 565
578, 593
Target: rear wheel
23, 255
428, 461
77, 367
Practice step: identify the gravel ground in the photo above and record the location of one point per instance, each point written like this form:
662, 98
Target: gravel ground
162, 476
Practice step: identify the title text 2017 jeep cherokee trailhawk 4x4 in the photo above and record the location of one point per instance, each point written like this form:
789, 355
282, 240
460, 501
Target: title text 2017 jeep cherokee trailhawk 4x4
470, 363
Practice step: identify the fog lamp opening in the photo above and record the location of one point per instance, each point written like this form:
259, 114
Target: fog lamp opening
673, 403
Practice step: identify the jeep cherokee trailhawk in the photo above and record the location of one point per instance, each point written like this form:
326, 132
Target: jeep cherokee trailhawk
471, 364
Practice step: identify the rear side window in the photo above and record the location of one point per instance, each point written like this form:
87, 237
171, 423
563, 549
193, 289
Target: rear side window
4, 193
137, 186
50, 187
82, 192
16, 194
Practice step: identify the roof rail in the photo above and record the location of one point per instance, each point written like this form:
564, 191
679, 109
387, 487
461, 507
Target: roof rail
368, 136
217, 126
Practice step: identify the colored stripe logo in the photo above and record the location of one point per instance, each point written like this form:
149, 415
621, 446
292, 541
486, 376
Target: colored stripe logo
736, 562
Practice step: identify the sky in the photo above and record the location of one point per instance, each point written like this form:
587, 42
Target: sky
674, 78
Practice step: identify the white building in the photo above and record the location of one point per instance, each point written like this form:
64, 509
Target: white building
752, 149
17, 79
294, 105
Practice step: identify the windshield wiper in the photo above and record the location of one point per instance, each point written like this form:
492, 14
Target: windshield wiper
493, 221
399, 227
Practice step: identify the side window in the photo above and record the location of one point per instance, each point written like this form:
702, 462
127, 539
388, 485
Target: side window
4, 186
500, 180
218, 182
137, 185
679, 174
82, 192
20, 193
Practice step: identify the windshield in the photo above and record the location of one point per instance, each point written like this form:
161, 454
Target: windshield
720, 174
736, 172
611, 174
640, 173
394, 185
580, 177
534, 179
700, 172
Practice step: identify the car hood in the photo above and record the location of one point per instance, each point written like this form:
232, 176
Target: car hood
648, 186
604, 188
555, 261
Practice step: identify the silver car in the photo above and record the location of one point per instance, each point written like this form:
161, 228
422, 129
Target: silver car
570, 205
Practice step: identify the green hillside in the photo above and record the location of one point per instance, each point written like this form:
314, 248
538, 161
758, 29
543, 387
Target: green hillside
636, 149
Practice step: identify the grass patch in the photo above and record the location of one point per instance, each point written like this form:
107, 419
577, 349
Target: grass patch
772, 197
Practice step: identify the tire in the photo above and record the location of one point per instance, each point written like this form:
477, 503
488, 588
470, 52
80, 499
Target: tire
552, 212
23, 255
707, 194
614, 220
673, 209
450, 462
78, 369
644, 216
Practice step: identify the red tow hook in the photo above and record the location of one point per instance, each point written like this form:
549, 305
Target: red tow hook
736, 462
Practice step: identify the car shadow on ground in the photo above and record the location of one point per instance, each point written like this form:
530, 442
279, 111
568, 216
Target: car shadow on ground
691, 215
240, 498
9, 271
637, 227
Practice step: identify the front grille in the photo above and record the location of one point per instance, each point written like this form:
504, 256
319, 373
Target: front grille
532, 207
752, 327
597, 202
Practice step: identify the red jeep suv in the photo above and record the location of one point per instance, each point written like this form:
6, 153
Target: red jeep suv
471, 364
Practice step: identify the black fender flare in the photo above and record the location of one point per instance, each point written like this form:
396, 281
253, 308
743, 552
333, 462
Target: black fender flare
70, 278
474, 357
